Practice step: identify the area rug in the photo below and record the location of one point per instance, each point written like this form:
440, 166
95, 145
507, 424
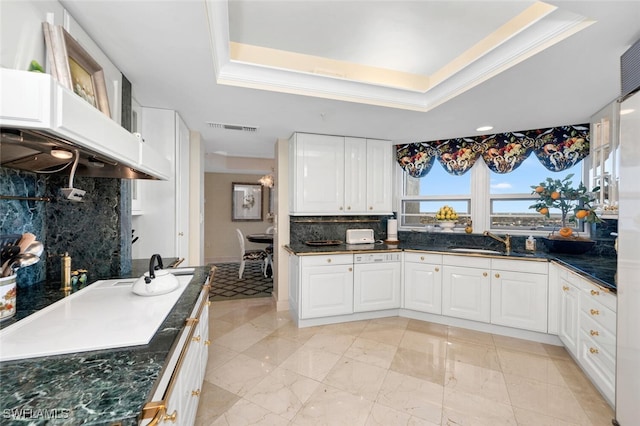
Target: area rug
227, 286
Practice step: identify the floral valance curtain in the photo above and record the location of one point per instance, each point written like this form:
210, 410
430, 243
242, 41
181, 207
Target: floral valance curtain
557, 148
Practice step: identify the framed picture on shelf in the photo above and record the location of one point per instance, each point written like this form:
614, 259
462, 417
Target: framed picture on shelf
75, 69
246, 202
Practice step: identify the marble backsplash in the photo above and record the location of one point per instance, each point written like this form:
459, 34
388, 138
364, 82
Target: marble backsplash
311, 228
96, 232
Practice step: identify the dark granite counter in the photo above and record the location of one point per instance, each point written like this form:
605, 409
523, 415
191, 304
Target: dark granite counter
600, 269
106, 387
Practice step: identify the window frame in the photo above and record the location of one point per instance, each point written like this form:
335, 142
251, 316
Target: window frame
481, 200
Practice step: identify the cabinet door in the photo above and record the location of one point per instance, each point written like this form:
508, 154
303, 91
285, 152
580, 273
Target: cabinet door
319, 174
355, 175
466, 293
519, 300
376, 286
569, 310
379, 176
423, 287
182, 190
326, 291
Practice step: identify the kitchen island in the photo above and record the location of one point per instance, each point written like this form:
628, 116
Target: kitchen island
106, 387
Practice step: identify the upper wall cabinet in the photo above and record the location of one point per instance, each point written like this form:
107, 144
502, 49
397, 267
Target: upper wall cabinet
605, 158
336, 175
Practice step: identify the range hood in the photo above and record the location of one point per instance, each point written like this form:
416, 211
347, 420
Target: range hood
30, 150
38, 115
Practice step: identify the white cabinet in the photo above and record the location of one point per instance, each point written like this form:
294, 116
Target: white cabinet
423, 282
163, 223
376, 286
326, 285
175, 399
569, 310
604, 155
339, 175
588, 329
519, 294
466, 288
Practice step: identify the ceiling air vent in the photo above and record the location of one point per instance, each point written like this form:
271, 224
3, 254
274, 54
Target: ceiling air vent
232, 127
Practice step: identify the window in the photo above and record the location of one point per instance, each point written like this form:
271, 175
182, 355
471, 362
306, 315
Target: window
424, 196
510, 198
497, 202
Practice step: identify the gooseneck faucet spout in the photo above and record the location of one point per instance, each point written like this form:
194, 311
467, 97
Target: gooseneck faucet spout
506, 240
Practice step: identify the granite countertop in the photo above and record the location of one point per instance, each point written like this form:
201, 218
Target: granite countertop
601, 270
105, 387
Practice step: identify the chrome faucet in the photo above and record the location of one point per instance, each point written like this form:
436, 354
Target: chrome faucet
506, 240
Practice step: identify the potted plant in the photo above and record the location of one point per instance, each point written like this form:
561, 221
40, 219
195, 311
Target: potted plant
574, 204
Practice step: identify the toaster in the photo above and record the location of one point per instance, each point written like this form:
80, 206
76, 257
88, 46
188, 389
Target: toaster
360, 236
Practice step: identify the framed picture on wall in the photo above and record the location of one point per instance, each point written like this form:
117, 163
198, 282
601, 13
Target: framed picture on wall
246, 202
75, 68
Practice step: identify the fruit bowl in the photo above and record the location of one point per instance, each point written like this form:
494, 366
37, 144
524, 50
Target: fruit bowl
446, 226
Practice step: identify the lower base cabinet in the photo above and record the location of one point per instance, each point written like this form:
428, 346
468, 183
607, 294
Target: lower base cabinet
326, 286
519, 300
466, 293
423, 282
177, 401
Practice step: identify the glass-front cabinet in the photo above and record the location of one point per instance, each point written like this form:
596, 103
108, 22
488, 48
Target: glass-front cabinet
605, 152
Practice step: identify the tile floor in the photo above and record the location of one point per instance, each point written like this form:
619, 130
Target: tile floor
262, 370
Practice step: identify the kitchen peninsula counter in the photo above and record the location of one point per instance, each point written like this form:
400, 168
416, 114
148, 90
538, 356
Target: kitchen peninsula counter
105, 387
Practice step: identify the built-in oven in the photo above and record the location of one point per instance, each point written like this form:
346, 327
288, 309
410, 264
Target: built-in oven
376, 281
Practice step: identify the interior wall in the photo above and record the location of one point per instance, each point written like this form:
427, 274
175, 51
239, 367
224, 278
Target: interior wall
220, 238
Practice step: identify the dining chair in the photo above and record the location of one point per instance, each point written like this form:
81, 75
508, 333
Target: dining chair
250, 256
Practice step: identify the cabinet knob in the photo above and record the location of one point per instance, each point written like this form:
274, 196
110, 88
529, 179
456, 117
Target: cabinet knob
437, 269
171, 417
348, 207
484, 274
594, 312
328, 260
370, 207
565, 288
593, 350
594, 333
497, 275
181, 234
421, 257
595, 292
195, 392
350, 269
340, 208
196, 339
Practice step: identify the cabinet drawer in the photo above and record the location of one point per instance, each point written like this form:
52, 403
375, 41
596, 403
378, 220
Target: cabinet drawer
423, 258
337, 259
595, 357
598, 334
601, 296
467, 261
598, 312
534, 267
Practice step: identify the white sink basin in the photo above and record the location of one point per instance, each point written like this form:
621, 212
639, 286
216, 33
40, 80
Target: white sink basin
104, 315
476, 250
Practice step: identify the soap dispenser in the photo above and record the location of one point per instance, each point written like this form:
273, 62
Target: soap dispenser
530, 244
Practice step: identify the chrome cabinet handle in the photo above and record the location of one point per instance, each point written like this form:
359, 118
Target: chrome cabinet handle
594, 333
594, 312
